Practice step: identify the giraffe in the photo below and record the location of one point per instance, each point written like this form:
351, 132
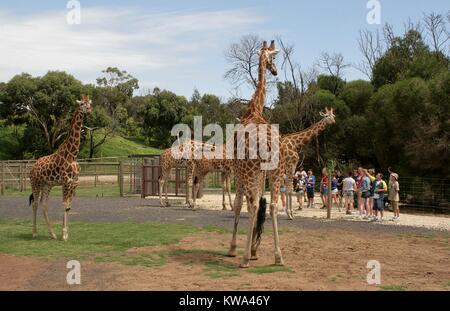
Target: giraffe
59, 168
291, 146
205, 166
249, 176
176, 157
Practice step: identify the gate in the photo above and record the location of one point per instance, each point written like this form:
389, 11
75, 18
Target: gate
151, 170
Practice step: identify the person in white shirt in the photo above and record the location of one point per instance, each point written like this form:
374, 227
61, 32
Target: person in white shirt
348, 189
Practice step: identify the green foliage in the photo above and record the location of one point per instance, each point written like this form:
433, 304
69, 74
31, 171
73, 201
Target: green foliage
45, 104
164, 109
330, 83
357, 94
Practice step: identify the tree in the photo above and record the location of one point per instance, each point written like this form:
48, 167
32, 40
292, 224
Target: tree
357, 95
98, 121
163, 110
47, 103
243, 60
436, 26
115, 88
334, 65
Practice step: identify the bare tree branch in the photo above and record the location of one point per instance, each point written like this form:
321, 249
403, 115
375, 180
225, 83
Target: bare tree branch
436, 26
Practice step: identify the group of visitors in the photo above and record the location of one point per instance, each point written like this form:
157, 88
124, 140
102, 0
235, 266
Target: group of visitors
362, 191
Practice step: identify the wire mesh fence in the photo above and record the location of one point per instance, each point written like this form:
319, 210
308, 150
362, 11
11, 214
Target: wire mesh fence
123, 176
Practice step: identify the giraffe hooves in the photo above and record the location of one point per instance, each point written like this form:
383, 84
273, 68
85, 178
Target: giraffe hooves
232, 252
279, 261
65, 235
34, 235
244, 264
52, 236
254, 258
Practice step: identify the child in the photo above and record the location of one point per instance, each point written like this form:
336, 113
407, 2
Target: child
299, 188
310, 183
365, 194
380, 188
324, 189
394, 189
348, 189
335, 191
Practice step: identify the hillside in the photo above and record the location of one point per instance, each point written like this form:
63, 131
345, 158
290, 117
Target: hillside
117, 146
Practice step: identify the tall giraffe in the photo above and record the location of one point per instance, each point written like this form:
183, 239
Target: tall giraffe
291, 146
59, 168
249, 176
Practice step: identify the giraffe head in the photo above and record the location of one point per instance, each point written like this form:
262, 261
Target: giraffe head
85, 104
267, 56
328, 115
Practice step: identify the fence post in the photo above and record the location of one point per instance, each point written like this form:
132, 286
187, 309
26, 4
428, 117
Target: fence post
95, 175
21, 177
121, 178
2, 189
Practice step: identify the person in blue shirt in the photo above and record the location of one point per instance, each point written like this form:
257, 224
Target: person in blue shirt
310, 183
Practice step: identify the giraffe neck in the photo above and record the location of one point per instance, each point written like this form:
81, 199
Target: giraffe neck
302, 138
71, 146
256, 104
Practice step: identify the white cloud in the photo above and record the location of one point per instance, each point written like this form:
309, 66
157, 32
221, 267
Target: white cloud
130, 39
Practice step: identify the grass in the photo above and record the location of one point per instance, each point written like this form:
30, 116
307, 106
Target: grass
110, 242
146, 260
217, 269
392, 288
117, 146
269, 269
88, 239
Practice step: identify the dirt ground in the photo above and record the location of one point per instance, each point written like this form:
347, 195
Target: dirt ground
315, 260
319, 254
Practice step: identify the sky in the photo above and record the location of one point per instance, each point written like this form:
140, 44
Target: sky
179, 45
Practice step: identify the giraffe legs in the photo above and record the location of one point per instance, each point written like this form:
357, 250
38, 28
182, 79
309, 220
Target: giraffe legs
237, 213
68, 190
44, 203
226, 189
35, 203
252, 213
274, 216
163, 189
289, 190
190, 183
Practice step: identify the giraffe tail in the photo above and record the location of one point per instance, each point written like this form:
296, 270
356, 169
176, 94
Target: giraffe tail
261, 218
31, 199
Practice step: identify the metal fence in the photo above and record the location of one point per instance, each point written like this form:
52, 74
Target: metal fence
425, 193
98, 177
123, 176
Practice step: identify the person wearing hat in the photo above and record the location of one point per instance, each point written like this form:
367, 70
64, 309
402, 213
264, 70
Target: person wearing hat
394, 198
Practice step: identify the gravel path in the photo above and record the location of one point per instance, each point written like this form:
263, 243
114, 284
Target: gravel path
109, 209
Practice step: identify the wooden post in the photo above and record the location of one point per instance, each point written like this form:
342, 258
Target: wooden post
121, 179
20, 177
329, 195
2, 189
95, 175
